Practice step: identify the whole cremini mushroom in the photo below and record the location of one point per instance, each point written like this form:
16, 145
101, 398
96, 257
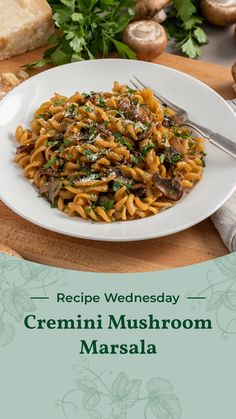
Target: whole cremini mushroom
219, 12
146, 37
234, 71
151, 9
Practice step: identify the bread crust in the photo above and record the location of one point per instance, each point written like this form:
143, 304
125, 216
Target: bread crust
31, 29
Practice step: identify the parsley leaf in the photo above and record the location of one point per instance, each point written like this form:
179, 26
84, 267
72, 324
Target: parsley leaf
50, 163
87, 29
185, 8
200, 36
191, 48
184, 25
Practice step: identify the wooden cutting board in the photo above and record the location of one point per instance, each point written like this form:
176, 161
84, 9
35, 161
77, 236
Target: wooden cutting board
197, 244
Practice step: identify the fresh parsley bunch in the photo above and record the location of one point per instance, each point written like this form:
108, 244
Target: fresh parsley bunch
87, 29
184, 25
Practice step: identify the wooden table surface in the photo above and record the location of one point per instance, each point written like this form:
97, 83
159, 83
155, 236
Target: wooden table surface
197, 244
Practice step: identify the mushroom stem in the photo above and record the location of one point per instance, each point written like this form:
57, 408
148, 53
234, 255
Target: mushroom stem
160, 17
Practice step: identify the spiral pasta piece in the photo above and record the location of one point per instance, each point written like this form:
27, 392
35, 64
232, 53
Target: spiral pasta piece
109, 156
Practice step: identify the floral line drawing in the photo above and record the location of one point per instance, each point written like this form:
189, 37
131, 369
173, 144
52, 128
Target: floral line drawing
118, 398
221, 295
15, 295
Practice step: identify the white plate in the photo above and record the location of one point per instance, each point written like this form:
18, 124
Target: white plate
203, 104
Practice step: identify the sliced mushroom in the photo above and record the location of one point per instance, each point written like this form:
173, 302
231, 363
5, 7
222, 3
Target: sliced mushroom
219, 12
49, 172
147, 38
139, 189
25, 149
151, 9
176, 144
51, 190
124, 104
102, 130
145, 134
170, 188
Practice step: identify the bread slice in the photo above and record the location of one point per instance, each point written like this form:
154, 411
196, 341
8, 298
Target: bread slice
10, 80
24, 25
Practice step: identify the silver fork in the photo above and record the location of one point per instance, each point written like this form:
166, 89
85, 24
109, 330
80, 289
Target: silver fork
218, 140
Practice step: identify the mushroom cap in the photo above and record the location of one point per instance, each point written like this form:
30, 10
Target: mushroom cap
147, 9
219, 12
234, 71
8, 251
146, 37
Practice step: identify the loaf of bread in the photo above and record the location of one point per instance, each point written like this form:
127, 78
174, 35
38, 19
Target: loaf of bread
24, 25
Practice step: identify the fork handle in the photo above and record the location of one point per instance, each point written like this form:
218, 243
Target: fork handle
218, 140
224, 144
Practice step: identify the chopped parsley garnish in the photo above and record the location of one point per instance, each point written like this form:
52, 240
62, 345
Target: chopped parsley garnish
166, 140
66, 142
70, 111
136, 101
146, 148
126, 141
59, 101
117, 135
130, 90
101, 102
171, 156
50, 163
72, 107
88, 152
203, 159
180, 134
48, 143
162, 158
88, 108
40, 116
90, 155
116, 186
175, 158
106, 204
119, 184
73, 179
134, 159
191, 143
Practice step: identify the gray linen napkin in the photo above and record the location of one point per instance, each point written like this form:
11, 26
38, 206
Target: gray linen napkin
225, 218
225, 222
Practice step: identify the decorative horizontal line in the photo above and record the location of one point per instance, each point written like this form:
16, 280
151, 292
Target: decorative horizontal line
39, 298
196, 298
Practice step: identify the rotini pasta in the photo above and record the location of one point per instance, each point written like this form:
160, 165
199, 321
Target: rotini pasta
109, 156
